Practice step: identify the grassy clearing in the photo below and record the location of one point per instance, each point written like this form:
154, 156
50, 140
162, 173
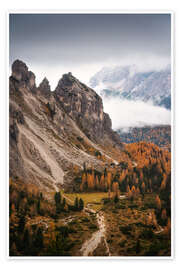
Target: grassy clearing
127, 232
94, 199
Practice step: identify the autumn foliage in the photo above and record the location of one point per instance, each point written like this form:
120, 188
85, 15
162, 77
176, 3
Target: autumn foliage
149, 171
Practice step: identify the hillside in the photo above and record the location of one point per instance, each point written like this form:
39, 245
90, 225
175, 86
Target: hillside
160, 135
53, 132
75, 188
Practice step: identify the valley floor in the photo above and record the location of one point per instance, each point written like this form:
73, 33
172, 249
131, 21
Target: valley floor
102, 228
115, 229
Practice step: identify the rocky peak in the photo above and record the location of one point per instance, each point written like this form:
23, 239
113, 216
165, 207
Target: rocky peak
84, 106
22, 76
48, 135
45, 88
67, 80
19, 71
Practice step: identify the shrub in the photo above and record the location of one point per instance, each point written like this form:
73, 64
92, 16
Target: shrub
147, 234
106, 200
122, 243
98, 153
80, 139
126, 229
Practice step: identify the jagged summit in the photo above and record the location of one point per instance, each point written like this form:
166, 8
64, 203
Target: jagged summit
45, 88
68, 80
45, 80
80, 102
84, 106
22, 75
53, 131
128, 82
19, 70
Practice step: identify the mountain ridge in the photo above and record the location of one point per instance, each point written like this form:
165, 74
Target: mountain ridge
127, 82
46, 139
72, 178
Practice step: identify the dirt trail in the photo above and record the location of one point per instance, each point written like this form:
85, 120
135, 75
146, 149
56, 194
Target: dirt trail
91, 244
97, 237
160, 230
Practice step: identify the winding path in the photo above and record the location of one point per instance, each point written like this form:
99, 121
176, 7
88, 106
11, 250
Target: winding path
97, 237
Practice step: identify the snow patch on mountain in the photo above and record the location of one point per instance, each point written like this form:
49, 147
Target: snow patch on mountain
128, 83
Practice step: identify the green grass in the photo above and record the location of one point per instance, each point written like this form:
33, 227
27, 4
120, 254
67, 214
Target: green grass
94, 198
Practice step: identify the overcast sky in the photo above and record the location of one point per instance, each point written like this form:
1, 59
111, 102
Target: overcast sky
53, 44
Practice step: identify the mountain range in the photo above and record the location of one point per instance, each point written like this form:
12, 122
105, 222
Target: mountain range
52, 132
127, 82
75, 188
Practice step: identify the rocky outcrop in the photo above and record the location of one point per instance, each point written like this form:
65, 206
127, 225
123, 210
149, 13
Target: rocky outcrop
20, 71
22, 77
53, 132
84, 106
45, 88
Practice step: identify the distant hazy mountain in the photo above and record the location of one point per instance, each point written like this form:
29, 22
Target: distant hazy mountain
127, 82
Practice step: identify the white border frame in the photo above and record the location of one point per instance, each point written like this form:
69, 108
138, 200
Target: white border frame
94, 11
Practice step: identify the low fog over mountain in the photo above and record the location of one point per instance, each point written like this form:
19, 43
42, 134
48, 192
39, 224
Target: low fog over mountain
142, 97
127, 82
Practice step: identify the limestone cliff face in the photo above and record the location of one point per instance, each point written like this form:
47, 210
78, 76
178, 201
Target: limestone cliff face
45, 88
84, 106
51, 132
21, 76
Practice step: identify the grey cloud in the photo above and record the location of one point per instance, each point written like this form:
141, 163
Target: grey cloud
87, 38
